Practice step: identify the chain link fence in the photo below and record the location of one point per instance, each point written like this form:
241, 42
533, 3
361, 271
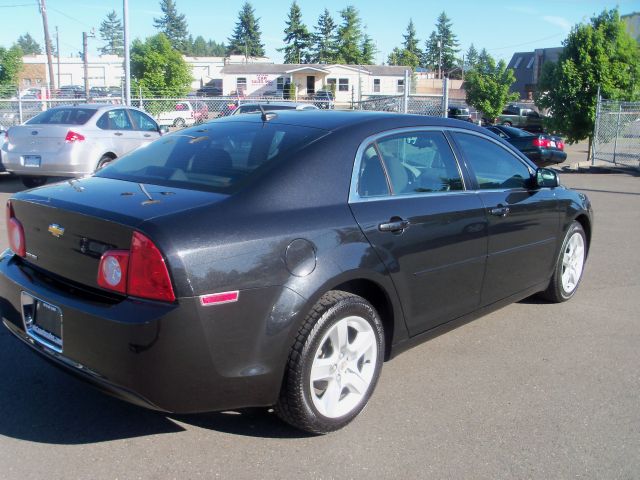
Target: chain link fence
432, 105
616, 137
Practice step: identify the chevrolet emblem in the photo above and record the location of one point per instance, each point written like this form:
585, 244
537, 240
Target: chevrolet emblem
56, 230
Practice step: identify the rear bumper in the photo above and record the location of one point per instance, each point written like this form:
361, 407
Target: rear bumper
70, 161
168, 357
546, 156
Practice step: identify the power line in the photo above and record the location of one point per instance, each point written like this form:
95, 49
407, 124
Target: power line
17, 5
526, 43
69, 17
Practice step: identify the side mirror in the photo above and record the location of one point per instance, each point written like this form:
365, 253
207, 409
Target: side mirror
163, 130
547, 178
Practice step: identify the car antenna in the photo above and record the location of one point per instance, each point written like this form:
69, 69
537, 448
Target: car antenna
263, 115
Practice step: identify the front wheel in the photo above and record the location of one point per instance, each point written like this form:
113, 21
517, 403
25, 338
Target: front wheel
33, 182
569, 266
104, 161
334, 365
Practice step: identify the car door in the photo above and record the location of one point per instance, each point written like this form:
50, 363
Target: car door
119, 131
408, 196
523, 221
147, 129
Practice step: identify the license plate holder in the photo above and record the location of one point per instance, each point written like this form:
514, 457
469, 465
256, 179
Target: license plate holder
31, 161
42, 322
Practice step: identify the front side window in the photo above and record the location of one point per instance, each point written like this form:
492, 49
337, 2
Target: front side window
115, 120
420, 162
494, 167
143, 122
343, 85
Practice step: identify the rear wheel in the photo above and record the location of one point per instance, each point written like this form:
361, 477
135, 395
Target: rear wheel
334, 365
32, 182
179, 122
569, 267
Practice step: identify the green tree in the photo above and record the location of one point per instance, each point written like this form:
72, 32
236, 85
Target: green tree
215, 49
158, 69
246, 36
199, 47
487, 86
442, 46
349, 37
368, 50
471, 57
598, 54
410, 55
10, 67
324, 39
173, 25
297, 38
112, 34
28, 45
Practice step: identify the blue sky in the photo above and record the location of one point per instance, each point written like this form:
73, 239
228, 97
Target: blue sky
500, 27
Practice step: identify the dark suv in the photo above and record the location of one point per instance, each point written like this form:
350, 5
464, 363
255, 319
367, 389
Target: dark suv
324, 99
459, 113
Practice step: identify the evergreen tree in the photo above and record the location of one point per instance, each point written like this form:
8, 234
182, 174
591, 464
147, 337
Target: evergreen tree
349, 36
173, 25
215, 49
245, 39
112, 34
411, 40
28, 45
471, 58
199, 47
441, 47
324, 39
411, 54
368, 50
297, 37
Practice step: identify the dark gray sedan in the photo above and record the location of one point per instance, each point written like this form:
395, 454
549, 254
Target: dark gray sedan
278, 260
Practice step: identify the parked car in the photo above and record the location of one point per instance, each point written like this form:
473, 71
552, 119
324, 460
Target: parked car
209, 91
324, 99
3, 133
72, 141
459, 113
525, 118
183, 114
34, 93
271, 106
70, 91
542, 149
251, 262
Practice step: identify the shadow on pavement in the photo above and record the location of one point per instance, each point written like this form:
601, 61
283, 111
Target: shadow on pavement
42, 404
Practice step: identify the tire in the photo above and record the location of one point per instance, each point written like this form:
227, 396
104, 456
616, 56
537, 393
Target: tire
569, 266
179, 122
341, 345
104, 161
507, 124
33, 182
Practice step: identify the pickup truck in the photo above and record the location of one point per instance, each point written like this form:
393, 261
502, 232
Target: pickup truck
525, 118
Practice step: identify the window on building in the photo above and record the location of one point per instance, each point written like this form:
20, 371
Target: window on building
331, 83
280, 84
518, 62
343, 85
241, 84
400, 85
530, 64
376, 85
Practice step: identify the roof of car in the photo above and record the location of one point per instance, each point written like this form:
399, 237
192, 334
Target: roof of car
337, 119
276, 104
96, 106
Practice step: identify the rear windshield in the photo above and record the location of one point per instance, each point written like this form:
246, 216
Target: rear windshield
63, 116
216, 157
516, 132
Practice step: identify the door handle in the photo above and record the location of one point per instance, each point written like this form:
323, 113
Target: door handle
500, 211
395, 224
147, 134
119, 134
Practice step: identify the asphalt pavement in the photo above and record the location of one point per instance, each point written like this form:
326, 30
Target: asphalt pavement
534, 390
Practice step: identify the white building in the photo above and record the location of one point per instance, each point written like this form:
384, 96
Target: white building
348, 81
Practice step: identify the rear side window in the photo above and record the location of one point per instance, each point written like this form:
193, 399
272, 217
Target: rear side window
63, 116
217, 157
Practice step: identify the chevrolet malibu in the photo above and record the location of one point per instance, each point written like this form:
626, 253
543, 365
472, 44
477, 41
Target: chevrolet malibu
279, 259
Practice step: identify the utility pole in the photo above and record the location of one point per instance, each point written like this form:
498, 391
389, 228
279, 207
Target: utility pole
85, 62
47, 43
127, 61
58, 52
440, 59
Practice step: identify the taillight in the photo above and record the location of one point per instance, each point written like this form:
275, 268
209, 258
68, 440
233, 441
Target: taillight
560, 145
140, 272
73, 137
541, 142
16, 233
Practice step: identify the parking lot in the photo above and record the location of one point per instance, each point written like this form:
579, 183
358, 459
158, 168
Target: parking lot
532, 391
